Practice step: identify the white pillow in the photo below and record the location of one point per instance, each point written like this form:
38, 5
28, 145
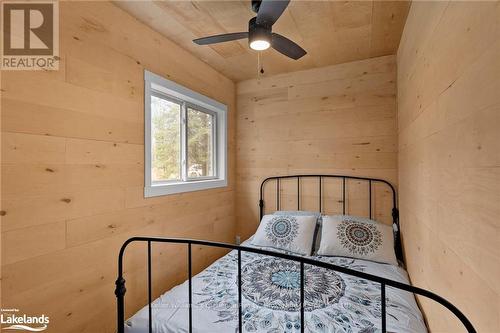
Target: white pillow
357, 237
286, 232
317, 232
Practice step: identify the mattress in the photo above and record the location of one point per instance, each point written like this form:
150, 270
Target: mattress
334, 302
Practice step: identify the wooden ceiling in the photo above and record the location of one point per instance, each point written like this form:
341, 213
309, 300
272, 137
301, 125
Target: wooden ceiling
332, 32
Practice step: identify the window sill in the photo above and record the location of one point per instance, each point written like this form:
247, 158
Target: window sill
182, 187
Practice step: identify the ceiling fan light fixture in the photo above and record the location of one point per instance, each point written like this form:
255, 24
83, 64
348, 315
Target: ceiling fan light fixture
259, 45
259, 36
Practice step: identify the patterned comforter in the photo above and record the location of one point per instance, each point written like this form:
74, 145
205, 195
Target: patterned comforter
334, 302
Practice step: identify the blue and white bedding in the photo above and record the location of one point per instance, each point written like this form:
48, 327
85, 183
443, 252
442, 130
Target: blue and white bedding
334, 302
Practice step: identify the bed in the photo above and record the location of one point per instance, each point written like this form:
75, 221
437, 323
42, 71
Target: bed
334, 302
270, 290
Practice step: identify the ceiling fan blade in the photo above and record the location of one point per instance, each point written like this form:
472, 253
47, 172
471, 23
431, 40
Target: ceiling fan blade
287, 47
270, 11
220, 38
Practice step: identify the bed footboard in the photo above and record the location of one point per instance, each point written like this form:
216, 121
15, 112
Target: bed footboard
384, 283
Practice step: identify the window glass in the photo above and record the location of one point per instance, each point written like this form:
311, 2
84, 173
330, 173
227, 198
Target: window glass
165, 140
200, 139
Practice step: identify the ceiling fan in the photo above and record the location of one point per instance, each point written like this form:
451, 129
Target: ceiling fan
260, 35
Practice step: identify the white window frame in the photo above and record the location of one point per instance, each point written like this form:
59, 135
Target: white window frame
157, 85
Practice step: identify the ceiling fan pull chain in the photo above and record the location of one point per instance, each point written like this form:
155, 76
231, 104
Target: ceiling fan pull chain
261, 70
260, 67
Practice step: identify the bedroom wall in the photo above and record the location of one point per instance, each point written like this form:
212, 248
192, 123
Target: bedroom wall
72, 172
337, 119
449, 157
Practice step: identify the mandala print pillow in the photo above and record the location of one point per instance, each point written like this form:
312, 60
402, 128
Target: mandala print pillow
286, 232
357, 237
317, 232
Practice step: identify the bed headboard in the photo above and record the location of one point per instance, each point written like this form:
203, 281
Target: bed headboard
369, 181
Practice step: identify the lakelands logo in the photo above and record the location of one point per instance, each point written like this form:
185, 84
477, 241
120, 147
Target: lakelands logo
30, 35
11, 319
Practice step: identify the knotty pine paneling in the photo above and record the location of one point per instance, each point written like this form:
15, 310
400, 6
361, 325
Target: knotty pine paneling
449, 157
337, 119
73, 170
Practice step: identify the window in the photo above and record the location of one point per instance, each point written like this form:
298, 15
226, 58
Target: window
185, 135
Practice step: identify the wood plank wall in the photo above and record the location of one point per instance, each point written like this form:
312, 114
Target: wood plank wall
449, 157
1, 218
72, 171
336, 119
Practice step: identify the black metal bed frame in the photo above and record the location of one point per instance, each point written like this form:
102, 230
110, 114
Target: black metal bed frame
384, 283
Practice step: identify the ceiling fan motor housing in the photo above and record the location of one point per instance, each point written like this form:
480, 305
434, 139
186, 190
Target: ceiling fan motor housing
256, 5
258, 32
